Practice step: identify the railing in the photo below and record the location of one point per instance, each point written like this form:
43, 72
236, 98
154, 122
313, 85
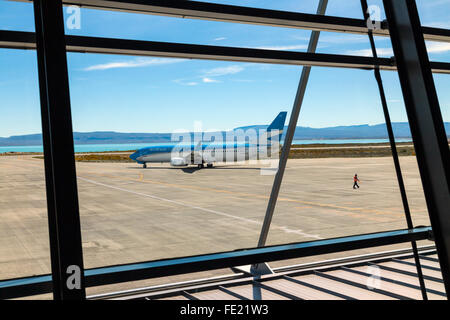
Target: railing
27, 286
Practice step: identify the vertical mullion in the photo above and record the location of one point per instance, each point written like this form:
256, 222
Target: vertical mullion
54, 256
63, 210
425, 119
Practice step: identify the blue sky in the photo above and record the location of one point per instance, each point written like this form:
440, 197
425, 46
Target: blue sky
135, 94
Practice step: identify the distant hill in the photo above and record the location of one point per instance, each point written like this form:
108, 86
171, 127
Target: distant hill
401, 130
365, 131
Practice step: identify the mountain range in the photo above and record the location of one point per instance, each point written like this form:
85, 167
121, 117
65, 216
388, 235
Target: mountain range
401, 130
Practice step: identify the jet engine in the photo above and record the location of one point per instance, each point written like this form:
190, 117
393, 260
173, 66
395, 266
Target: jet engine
178, 162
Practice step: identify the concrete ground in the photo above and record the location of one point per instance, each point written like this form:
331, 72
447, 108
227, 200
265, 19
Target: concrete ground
131, 214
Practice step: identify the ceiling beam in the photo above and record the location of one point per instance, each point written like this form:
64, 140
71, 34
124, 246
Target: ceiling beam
26, 40
247, 15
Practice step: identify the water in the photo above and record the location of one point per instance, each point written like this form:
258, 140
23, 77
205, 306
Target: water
83, 147
344, 141
135, 146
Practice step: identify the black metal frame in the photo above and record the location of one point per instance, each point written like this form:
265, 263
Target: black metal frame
398, 169
425, 118
20, 287
64, 223
247, 15
26, 40
61, 179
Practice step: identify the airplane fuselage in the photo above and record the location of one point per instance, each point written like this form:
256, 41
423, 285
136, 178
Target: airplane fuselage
262, 146
205, 153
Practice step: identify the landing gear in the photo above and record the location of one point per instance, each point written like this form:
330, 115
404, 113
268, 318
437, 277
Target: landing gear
201, 165
145, 165
209, 165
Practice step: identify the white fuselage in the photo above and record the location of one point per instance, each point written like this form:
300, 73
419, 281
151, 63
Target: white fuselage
207, 155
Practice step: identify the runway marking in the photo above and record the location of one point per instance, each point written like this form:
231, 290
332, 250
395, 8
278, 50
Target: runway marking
323, 205
282, 228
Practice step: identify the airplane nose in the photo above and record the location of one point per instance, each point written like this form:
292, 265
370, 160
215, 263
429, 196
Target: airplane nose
134, 156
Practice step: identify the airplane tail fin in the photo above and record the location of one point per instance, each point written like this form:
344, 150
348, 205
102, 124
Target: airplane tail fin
277, 126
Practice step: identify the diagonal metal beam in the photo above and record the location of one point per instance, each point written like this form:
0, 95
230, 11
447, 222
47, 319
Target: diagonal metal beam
290, 133
425, 119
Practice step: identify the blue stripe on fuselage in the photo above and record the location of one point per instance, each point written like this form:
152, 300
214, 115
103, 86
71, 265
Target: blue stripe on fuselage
167, 148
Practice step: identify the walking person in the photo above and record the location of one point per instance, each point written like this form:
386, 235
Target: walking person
355, 181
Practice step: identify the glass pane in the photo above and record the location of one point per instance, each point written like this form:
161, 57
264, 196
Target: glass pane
318, 199
350, 9
442, 82
100, 23
121, 104
17, 16
308, 6
434, 13
24, 239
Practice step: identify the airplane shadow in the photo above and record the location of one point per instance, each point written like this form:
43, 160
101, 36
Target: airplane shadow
191, 170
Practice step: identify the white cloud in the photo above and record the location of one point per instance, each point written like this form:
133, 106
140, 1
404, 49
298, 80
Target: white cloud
303, 38
341, 39
208, 76
291, 47
344, 39
135, 63
368, 52
438, 24
435, 3
219, 39
222, 71
243, 80
209, 80
432, 47
184, 82
438, 47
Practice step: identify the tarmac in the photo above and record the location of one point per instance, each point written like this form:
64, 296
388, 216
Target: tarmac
130, 214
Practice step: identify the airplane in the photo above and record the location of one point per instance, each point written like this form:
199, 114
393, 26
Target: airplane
201, 153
